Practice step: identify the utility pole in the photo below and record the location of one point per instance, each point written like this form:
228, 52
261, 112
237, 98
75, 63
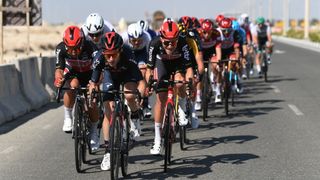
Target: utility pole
1, 34
270, 11
285, 16
306, 19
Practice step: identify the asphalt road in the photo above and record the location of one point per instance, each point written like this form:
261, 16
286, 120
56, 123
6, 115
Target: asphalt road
272, 133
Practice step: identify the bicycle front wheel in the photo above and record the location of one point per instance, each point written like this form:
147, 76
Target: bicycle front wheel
169, 117
115, 144
205, 99
77, 126
125, 145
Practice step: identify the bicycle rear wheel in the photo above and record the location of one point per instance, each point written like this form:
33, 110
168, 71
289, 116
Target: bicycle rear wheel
169, 117
115, 136
226, 93
205, 94
77, 126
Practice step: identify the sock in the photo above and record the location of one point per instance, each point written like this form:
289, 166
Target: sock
67, 113
198, 98
258, 68
157, 134
218, 89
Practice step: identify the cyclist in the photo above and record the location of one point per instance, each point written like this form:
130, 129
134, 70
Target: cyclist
247, 26
138, 40
145, 26
262, 38
218, 18
75, 57
119, 67
230, 46
168, 54
210, 37
243, 46
190, 33
95, 26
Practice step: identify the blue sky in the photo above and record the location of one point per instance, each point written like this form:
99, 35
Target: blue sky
57, 11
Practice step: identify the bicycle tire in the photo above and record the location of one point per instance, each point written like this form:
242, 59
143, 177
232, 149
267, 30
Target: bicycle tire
125, 145
205, 95
265, 68
115, 136
167, 141
226, 93
77, 135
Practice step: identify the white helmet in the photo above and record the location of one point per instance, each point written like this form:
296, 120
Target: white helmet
135, 31
244, 18
144, 24
94, 23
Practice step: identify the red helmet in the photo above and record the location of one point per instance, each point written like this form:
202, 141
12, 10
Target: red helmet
73, 36
195, 22
219, 18
112, 41
201, 20
169, 30
207, 25
225, 23
186, 21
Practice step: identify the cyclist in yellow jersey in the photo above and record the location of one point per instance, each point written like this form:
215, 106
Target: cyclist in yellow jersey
192, 37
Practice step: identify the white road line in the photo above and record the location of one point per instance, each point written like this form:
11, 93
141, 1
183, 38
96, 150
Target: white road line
275, 89
48, 126
295, 110
8, 150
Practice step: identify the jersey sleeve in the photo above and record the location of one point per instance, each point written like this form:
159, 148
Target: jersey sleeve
152, 53
60, 57
97, 66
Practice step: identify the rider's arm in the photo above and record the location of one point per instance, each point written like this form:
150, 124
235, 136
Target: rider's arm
97, 67
151, 58
218, 51
269, 34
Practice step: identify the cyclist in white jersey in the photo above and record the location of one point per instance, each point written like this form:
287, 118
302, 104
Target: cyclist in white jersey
138, 39
95, 26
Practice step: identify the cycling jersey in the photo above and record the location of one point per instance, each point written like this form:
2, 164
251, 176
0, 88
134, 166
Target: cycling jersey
80, 66
228, 43
208, 45
165, 64
193, 40
261, 34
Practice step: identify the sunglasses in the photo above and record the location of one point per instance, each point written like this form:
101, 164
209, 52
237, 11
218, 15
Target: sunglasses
95, 35
135, 40
108, 54
227, 30
170, 42
74, 49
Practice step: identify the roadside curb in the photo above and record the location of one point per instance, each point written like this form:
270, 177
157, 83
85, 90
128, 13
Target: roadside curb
298, 43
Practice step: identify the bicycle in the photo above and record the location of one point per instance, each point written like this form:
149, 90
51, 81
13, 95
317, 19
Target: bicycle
230, 79
170, 124
80, 131
206, 90
264, 66
183, 129
249, 62
119, 132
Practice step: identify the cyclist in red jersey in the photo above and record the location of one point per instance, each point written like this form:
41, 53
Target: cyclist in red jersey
209, 37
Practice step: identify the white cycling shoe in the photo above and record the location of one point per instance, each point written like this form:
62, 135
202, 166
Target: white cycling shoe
105, 164
67, 125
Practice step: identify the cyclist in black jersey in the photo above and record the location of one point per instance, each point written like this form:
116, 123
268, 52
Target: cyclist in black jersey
116, 60
168, 54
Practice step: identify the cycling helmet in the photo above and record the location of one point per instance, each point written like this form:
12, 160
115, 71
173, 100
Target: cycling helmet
186, 21
244, 16
201, 20
219, 18
225, 23
112, 41
73, 37
167, 19
169, 30
144, 24
207, 25
135, 31
94, 23
235, 25
195, 22
260, 20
